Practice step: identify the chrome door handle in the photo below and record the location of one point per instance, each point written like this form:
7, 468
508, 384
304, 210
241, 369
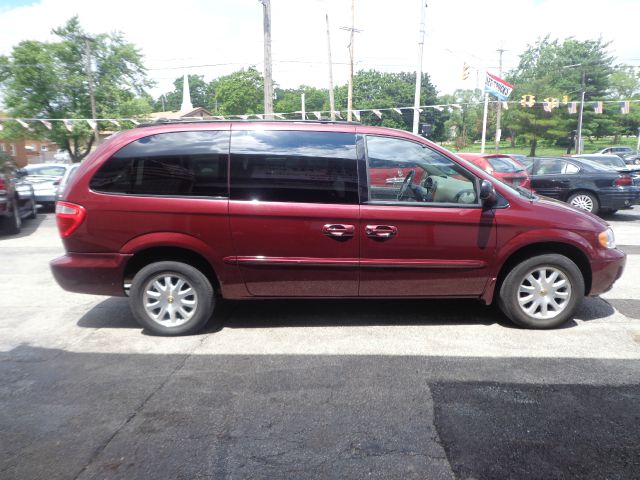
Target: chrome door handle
381, 231
338, 230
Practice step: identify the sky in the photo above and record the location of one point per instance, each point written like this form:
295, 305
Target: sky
216, 37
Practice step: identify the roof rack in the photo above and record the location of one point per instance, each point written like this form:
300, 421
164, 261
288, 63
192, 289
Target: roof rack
168, 121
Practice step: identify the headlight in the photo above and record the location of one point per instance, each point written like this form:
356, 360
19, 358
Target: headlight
607, 239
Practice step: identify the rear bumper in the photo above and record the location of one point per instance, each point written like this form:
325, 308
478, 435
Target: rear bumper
606, 269
94, 273
618, 200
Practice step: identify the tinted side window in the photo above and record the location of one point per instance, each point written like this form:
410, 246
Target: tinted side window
168, 164
284, 166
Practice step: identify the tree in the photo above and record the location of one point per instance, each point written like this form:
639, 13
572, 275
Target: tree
461, 124
240, 92
49, 80
373, 90
550, 69
289, 100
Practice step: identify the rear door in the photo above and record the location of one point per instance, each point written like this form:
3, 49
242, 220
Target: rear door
431, 236
553, 177
294, 212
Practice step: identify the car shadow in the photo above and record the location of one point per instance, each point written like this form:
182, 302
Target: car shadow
618, 217
627, 306
29, 226
114, 313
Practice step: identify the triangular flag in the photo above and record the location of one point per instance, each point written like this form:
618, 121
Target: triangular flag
92, 123
278, 115
259, 115
68, 124
505, 105
378, 113
46, 123
243, 117
337, 114
134, 121
115, 122
23, 123
546, 106
397, 110
356, 113
438, 108
318, 115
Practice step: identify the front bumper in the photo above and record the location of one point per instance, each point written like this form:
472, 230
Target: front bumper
606, 269
94, 273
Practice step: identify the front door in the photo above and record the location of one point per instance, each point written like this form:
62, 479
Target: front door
294, 212
427, 235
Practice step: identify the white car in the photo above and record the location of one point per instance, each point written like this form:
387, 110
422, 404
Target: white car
45, 178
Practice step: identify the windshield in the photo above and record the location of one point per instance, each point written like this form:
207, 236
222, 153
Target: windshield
48, 170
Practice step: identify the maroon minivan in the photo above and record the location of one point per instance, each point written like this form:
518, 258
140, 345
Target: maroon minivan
176, 214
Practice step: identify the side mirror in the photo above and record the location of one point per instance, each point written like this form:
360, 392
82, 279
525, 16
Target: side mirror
21, 172
488, 195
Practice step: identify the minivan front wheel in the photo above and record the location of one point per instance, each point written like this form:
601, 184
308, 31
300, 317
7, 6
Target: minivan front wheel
171, 298
542, 292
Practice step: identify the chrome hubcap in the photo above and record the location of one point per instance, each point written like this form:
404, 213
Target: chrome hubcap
170, 300
583, 201
544, 292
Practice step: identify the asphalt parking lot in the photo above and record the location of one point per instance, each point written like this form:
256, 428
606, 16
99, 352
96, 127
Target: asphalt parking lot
315, 389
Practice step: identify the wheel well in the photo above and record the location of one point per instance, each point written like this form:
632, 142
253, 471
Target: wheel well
569, 251
585, 190
160, 254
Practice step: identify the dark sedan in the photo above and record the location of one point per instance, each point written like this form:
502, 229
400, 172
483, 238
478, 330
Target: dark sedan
584, 184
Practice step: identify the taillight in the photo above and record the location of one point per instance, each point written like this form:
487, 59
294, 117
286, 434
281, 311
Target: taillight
69, 217
3, 186
623, 181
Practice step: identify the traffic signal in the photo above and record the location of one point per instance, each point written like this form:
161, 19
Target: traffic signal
465, 71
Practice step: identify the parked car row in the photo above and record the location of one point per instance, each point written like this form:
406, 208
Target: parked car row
17, 199
593, 182
23, 191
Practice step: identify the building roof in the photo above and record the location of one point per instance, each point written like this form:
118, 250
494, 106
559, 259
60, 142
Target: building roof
196, 112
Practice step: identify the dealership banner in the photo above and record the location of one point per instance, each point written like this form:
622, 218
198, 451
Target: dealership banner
497, 87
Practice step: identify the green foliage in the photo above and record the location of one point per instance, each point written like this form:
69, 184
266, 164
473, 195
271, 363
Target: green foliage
550, 69
49, 80
240, 92
289, 100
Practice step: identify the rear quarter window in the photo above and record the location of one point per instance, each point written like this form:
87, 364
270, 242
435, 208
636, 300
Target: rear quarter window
168, 164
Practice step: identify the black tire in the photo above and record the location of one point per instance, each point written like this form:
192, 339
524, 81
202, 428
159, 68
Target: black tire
509, 294
144, 280
13, 224
584, 198
34, 210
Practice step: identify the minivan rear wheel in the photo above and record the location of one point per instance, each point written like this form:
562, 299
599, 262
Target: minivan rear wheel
171, 298
542, 292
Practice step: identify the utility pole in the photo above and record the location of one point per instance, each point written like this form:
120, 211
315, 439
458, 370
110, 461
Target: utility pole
350, 87
304, 107
416, 100
499, 111
268, 79
332, 100
92, 98
584, 86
